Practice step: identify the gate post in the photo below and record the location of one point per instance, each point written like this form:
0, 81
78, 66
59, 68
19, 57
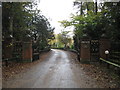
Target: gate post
7, 47
85, 49
27, 52
104, 45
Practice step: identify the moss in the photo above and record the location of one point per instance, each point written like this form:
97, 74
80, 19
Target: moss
85, 61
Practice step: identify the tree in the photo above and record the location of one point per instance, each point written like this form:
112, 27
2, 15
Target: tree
104, 20
22, 21
43, 32
16, 18
64, 38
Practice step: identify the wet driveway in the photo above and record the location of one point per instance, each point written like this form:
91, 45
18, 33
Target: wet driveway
58, 70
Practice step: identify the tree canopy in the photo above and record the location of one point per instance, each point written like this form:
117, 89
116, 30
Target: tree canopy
64, 38
103, 19
22, 21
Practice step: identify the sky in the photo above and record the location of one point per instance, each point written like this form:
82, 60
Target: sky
57, 10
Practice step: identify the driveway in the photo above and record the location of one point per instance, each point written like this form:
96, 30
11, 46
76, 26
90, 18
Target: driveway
59, 69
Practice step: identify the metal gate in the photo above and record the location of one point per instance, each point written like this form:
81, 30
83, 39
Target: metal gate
94, 50
17, 50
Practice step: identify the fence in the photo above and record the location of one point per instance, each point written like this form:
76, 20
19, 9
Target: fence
114, 57
8, 60
110, 63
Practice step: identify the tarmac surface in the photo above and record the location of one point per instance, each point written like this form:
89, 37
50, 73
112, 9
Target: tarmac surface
58, 70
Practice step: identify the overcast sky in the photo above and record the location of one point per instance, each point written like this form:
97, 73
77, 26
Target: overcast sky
56, 10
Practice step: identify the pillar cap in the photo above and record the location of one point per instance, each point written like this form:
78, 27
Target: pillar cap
104, 36
85, 36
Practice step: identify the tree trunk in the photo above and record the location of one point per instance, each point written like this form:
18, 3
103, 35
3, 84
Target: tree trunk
81, 9
87, 5
96, 7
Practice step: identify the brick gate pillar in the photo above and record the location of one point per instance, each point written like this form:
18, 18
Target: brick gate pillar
85, 50
104, 45
27, 52
7, 47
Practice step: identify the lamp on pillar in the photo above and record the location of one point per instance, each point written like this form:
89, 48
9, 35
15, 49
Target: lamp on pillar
28, 38
85, 35
104, 36
10, 37
104, 45
107, 53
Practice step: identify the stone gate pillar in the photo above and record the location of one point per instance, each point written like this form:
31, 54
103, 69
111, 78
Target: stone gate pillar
104, 45
85, 50
27, 52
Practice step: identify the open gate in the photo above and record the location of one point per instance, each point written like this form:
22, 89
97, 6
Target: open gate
94, 50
